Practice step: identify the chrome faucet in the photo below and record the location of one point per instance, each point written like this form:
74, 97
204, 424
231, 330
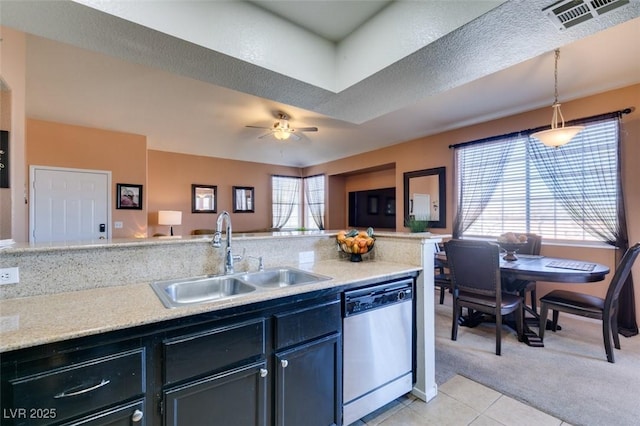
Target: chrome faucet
228, 255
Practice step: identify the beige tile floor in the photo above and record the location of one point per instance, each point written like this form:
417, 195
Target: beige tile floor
460, 401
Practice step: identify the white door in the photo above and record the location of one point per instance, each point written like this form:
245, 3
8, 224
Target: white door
69, 204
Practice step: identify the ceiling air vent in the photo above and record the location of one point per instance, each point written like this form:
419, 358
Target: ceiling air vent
568, 13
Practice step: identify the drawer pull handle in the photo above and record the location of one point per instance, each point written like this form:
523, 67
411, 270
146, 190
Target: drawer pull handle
136, 416
81, 391
284, 363
264, 372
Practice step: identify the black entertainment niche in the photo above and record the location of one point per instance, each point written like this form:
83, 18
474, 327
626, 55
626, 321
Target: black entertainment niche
374, 207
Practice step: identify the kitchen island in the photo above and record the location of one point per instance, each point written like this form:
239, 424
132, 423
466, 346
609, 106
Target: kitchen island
81, 291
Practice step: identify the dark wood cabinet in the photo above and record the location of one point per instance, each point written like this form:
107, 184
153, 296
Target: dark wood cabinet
308, 384
237, 397
82, 382
308, 366
275, 363
131, 414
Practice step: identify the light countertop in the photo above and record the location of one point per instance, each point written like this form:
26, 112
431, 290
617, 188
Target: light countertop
36, 320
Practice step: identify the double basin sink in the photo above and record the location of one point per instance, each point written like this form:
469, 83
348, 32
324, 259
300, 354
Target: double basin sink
208, 288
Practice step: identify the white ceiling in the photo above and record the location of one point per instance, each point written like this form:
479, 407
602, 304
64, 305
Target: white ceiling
194, 91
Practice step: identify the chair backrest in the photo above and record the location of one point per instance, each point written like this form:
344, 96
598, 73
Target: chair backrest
533, 246
622, 272
474, 266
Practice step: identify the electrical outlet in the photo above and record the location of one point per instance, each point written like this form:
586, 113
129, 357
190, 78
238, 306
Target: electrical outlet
9, 275
117, 224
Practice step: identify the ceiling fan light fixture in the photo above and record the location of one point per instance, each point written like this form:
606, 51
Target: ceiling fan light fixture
281, 134
558, 135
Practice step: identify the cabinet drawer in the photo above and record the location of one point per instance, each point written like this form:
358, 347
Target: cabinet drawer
199, 353
131, 414
306, 324
79, 388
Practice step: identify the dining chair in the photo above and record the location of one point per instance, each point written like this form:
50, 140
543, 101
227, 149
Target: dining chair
522, 287
476, 285
590, 306
441, 277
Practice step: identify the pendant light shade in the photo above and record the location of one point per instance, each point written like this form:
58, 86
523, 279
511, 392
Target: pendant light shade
558, 135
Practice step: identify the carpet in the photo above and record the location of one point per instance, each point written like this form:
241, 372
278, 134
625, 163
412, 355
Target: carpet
569, 378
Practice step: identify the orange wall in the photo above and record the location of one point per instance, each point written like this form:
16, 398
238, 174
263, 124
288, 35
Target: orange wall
171, 176
124, 154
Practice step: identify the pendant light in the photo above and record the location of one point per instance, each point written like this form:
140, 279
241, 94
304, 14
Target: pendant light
557, 135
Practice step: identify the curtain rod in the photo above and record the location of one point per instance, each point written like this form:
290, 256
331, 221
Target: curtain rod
537, 129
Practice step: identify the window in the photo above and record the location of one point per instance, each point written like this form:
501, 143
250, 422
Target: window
285, 202
288, 211
514, 183
314, 202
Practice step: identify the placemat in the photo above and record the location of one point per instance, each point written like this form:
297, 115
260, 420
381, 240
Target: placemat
571, 264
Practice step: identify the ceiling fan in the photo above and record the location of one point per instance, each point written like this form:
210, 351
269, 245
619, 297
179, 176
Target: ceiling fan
281, 129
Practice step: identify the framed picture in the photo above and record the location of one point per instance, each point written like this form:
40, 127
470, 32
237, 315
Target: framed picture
129, 196
372, 204
203, 198
243, 199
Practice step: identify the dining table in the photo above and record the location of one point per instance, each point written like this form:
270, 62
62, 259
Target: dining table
527, 268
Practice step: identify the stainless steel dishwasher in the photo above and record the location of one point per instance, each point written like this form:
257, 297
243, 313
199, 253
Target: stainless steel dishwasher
378, 347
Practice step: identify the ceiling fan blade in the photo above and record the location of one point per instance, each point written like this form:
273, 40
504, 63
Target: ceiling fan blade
265, 135
259, 127
306, 129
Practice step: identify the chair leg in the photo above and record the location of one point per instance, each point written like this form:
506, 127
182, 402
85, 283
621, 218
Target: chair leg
520, 323
544, 309
441, 295
614, 330
556, 314
498, 333
606, 334
457, 311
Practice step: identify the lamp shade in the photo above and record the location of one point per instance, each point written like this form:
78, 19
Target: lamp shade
169, 217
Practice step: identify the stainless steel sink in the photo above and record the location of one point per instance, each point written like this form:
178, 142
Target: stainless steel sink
205, 289
282, 277
191, 291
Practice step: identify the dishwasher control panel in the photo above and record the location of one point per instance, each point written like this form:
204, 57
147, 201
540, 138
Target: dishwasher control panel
362, 300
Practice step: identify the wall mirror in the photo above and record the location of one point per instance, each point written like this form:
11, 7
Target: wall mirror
243, 199
203, 198
425, 196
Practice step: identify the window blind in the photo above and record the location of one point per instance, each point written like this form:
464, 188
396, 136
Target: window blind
561, 194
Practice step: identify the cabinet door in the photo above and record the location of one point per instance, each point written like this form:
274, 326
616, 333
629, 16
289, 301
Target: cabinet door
236, 397
308, 384
125, 415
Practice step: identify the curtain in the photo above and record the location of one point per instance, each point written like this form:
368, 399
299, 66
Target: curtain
314, 194
585, 166
479, 169
284, 194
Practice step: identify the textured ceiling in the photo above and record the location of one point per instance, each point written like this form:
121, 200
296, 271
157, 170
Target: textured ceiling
105, 71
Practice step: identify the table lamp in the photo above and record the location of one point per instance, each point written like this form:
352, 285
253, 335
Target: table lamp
169, 217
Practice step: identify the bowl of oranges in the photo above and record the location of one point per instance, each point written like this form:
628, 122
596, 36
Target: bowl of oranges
511, 243
355, 243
